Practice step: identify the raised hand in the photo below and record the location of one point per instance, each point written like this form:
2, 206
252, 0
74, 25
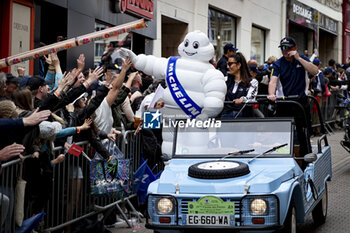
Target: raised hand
130, 79
126, 64
54, 59
81, 62
63, 82
96, 74
36, 117
133, 75
73, 74
48, 59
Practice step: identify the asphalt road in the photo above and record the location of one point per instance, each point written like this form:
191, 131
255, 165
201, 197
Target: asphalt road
338, 218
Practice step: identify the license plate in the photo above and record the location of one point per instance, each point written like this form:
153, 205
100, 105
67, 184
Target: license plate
210, 220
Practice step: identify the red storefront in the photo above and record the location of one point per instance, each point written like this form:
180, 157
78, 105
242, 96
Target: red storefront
17, 30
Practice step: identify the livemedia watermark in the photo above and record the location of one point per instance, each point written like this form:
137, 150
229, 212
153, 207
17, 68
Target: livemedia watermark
154, 120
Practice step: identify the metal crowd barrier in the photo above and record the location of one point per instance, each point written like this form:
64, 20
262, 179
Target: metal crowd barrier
71, 198
8, 179
331, 110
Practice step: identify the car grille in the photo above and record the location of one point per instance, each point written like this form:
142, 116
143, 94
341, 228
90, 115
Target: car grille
183, 207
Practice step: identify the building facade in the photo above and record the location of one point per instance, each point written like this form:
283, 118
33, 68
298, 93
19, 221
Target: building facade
316, 24
254, 28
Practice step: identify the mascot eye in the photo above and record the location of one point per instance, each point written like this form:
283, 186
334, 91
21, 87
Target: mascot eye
196, 44
186, 43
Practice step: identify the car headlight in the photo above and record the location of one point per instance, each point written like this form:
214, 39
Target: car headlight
258, 206
164, 206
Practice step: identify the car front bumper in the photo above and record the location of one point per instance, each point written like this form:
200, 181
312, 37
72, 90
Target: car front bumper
250, 227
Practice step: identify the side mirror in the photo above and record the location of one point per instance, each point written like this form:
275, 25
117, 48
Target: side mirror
310, 158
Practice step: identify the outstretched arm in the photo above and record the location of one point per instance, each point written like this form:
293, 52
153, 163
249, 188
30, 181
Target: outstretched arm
118, 82
148, 64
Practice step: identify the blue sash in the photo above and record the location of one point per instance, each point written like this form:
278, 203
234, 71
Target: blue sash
178, 92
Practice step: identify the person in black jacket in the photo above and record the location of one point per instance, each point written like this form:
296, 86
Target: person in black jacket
239, 87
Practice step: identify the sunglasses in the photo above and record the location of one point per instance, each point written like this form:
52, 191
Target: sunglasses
285, 47
230, 63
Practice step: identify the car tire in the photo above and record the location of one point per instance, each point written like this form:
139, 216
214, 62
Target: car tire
218, 169
290, 224
319, 214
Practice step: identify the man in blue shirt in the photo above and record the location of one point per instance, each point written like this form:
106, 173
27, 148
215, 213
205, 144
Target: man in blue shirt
288, 77
289, 70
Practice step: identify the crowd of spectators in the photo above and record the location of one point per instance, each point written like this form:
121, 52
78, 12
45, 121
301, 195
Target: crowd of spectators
39, 113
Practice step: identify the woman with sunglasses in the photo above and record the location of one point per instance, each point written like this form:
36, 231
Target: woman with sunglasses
240, 86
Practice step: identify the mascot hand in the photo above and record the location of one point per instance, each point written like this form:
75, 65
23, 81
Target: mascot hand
124, 53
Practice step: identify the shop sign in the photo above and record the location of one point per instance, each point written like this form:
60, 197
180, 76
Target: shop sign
143, 8
328, 24
302, 14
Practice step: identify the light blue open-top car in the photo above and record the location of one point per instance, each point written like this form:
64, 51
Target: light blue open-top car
244, 176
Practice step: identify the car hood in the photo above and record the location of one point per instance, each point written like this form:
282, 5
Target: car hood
266, 175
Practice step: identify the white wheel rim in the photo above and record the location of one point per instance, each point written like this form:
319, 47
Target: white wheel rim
218, 165
293, 222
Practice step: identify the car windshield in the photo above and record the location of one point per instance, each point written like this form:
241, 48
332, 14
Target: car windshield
233, 136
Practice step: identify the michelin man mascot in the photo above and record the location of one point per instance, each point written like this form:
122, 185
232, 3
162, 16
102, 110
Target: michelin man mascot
195, 89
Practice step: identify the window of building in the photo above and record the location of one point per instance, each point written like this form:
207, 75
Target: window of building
101, 46
221, 30
257, 48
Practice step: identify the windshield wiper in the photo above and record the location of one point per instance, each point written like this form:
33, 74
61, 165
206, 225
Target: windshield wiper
240, 152
268, 151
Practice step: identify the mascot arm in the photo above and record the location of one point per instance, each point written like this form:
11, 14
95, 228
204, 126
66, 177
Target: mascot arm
148, 64
214, 88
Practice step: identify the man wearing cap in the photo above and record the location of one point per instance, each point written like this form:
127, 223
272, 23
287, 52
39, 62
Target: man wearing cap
39, 89
288, 77
229, 50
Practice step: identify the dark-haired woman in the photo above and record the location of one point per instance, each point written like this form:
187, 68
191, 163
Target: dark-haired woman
240, 86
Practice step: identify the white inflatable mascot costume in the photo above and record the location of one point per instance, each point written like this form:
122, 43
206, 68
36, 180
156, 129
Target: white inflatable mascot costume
195, 88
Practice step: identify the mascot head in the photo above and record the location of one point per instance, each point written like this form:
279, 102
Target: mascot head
196, 46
